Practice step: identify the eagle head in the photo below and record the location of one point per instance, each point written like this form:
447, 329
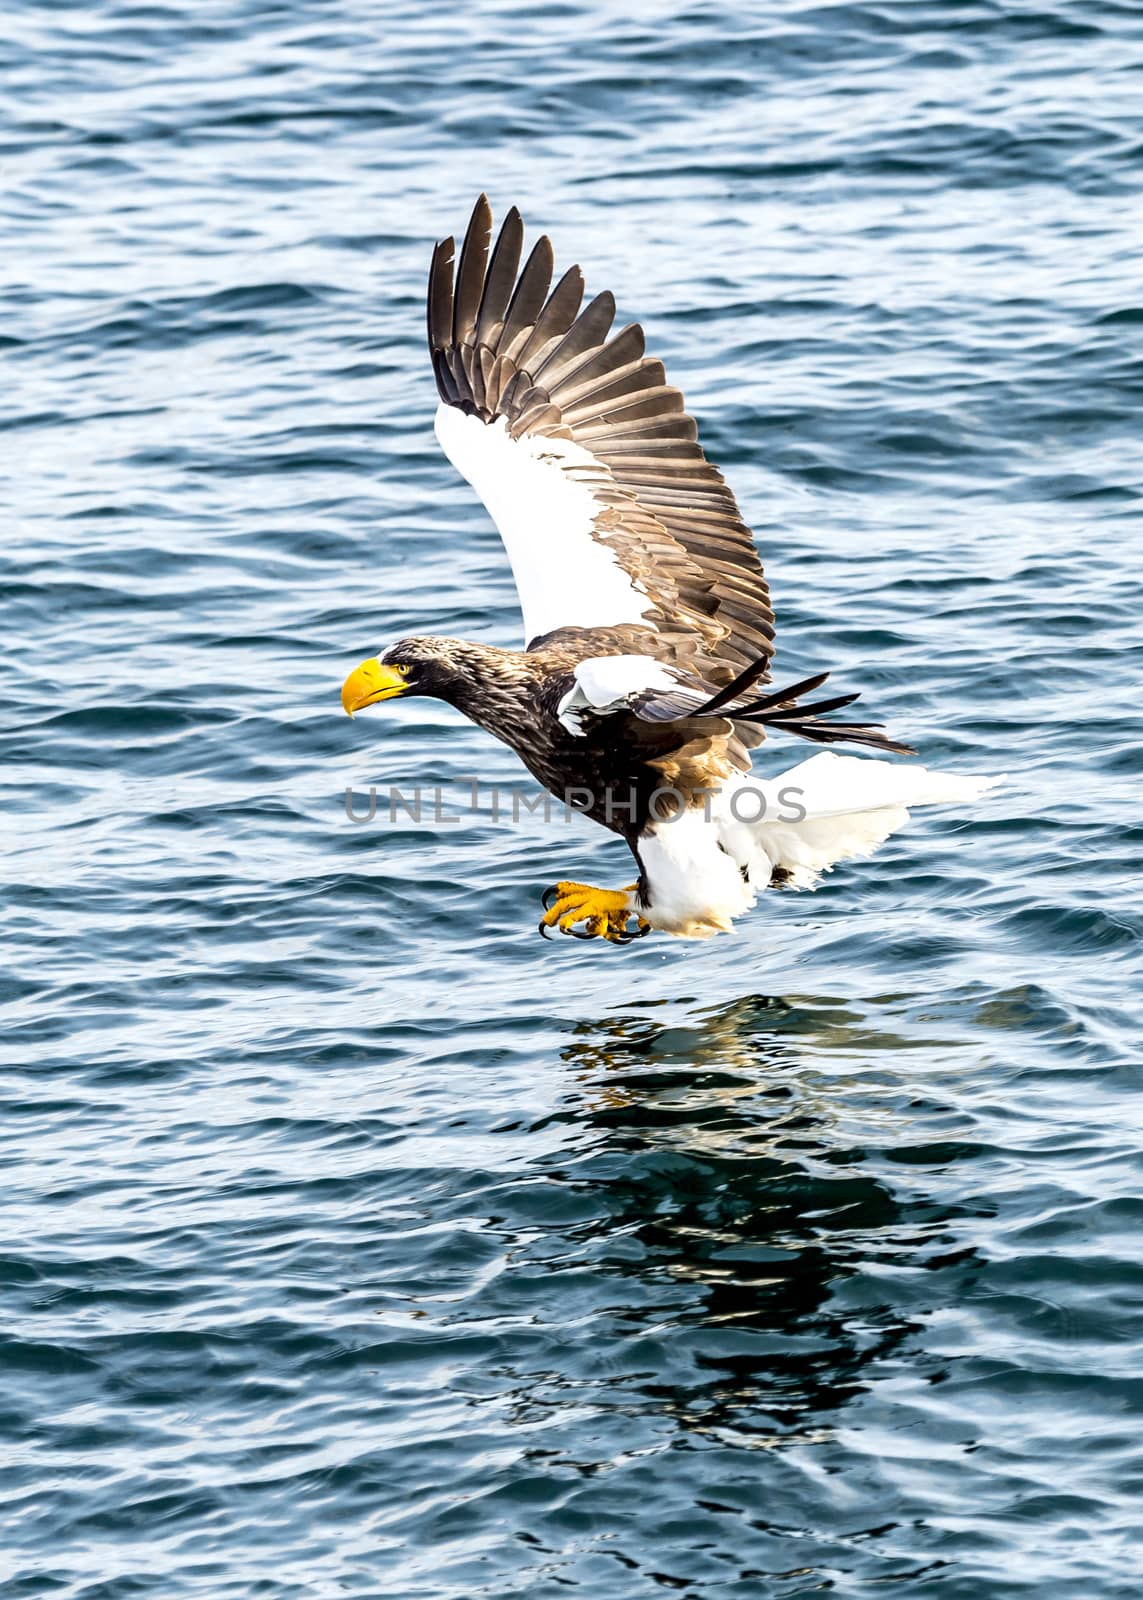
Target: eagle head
422, 665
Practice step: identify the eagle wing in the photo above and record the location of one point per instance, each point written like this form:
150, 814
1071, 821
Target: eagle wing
589, 465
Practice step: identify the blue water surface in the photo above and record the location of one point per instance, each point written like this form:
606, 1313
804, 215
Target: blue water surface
356, 1242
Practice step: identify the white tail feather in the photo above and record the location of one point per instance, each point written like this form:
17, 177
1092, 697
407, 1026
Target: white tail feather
702, 872
828, 809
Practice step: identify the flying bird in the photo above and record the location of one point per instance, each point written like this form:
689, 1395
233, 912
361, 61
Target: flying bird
642, 686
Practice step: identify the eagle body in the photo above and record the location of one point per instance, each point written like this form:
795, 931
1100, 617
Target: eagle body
586, 759
660, 796
641, 690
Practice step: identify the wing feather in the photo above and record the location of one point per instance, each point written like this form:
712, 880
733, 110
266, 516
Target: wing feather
470, 273
501, 280
553, 322
651, 518
440, 299
586, 333
645, 378
528, 296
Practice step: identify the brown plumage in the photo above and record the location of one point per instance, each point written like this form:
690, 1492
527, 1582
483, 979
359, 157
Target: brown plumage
648, 623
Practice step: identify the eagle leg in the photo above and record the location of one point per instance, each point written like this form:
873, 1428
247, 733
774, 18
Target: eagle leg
605, 913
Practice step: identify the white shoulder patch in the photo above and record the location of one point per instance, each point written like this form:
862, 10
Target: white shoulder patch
566, 575
606, 683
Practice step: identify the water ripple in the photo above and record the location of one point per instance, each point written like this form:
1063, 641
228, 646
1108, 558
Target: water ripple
355, 1243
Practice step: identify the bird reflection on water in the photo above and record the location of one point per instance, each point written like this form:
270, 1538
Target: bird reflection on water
734, 1181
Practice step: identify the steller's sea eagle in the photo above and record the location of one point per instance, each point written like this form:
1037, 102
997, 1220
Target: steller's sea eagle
649, 632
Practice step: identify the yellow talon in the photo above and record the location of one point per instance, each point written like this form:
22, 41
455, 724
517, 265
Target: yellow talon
604, 913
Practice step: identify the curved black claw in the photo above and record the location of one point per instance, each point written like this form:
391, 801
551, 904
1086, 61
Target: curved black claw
545, 931
549, 897
630, 938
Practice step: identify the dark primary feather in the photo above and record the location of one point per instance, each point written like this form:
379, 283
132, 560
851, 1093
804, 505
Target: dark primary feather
728, 701
780, 711
528, 296
470, 273
440, 297
783, 697
501, 277
588, 331
818, 709
865, 733
553, 322
740, 684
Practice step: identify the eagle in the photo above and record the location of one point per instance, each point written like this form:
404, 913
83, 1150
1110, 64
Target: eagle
642, 687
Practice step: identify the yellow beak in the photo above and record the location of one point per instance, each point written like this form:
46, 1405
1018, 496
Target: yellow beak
370, 682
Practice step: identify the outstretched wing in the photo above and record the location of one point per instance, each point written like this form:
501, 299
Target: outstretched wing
611, 514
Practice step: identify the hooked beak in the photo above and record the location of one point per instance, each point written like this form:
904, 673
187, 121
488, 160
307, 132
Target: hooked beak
370, 682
